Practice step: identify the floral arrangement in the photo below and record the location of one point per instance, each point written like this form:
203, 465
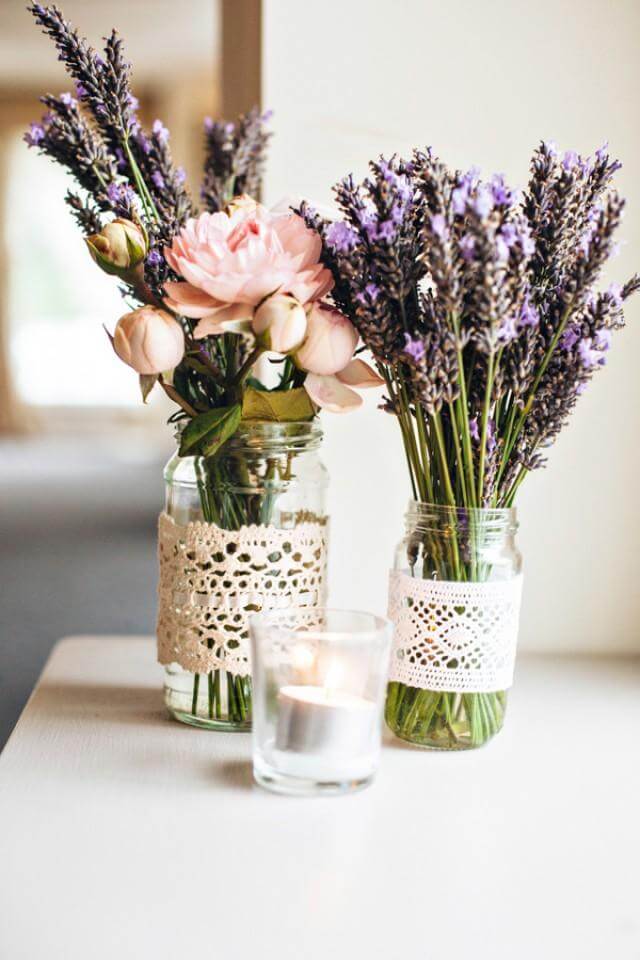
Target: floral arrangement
214, 290
478, 304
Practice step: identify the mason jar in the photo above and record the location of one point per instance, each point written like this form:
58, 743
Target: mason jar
243, 531
454, 599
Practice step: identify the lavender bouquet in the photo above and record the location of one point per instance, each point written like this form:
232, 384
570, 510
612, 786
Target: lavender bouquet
479, 308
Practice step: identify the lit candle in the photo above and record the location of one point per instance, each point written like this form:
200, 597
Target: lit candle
319, 678
325, 733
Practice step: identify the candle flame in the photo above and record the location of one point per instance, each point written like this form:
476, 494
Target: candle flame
303, 657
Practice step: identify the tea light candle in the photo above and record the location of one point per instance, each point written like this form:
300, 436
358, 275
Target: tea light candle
319, 679
325, 733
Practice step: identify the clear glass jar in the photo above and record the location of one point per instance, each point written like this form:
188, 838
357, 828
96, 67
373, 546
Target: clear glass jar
269, 474
444, 543
319, 685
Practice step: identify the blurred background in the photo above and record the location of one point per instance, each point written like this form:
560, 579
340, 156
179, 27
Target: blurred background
80, 456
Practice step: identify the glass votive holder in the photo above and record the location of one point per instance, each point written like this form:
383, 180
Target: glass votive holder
319, 680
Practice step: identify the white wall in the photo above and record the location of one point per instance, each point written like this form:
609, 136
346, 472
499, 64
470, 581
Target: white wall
482, 81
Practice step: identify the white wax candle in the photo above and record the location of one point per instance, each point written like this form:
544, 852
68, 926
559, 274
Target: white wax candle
325, 733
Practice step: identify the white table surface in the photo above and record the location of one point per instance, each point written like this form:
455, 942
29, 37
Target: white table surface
126, 835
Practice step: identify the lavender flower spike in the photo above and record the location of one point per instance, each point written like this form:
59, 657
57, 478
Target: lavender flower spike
34, 135
614, 290
589, 355
603, 339
160, 131
439, 226
414, 348
483, 204
570, 337
467, 247
369, 294
340, 236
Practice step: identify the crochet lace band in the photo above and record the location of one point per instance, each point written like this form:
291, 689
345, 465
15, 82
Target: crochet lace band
212, 580
454, 636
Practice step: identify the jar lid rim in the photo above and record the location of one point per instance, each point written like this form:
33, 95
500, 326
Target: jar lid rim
445, 509
281, 426
500, 518
300, 435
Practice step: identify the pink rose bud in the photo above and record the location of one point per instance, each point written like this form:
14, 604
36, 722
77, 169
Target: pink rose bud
280, 323
149, 340
119, 247
330, 341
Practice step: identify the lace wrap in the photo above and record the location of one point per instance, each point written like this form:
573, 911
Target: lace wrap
454, 636
212, 580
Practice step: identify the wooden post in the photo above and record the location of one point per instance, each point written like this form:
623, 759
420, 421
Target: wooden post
241, 56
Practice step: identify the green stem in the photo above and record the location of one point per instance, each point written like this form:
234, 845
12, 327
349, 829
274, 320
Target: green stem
437, 429
406, 407
460, 467
147, 200
426, 458
397, 404
245, 369
515, 486
233, 706
463, 413
194, 698
485, 425
210, 692
506, 447
536, 383
217, 694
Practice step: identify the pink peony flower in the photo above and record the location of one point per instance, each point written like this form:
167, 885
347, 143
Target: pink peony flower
239, 259
330, 341
149, 340
334, 393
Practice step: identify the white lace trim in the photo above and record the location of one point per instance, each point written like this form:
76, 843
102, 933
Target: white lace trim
212, 580
454, 636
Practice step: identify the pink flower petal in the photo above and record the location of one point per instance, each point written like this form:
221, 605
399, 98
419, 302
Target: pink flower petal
233, 318
297, 238
330, 394
192, 271
359, 374
311, 284
188, 300
330, 342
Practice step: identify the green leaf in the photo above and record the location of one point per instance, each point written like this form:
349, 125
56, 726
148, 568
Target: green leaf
284, 406
147, 383
206, 433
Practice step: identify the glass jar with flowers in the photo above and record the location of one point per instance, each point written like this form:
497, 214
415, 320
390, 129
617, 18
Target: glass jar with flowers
243, 530
478, 305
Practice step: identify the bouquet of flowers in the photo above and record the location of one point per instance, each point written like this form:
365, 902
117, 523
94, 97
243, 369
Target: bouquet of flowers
478, 304
211, 292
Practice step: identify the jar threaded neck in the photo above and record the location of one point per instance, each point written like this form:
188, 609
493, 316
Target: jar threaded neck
448, 520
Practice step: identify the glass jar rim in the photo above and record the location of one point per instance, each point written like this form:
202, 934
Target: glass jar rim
276, 435
281, 621
438, 515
